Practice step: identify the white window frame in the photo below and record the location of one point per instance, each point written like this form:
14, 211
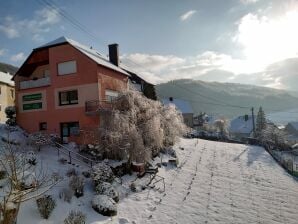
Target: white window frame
110, 95
67, 67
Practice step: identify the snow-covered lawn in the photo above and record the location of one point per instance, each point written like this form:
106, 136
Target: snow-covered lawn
218, 183
214, 183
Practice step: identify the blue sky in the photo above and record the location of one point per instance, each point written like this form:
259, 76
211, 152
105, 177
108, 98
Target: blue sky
247, 41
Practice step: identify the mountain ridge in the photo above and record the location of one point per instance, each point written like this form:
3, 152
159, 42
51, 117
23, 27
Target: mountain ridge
227, 99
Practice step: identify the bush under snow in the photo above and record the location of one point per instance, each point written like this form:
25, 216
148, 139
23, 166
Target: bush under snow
108, 190
101, 172
104, 205
75, 217
46, 205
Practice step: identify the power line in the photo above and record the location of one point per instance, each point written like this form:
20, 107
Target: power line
80, 27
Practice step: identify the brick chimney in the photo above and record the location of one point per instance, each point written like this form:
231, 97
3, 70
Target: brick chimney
114, 54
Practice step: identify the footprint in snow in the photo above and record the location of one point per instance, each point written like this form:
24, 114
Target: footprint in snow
123, 221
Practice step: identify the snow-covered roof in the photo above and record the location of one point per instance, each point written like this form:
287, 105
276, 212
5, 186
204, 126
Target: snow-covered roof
294, 124
6, 78
182, 105
91, 53
240, 125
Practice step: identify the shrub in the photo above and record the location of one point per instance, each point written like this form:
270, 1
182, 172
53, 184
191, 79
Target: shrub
10, 112
86, 174
62, 161
46, 205
66, 194
71, 172
2, 174
104, 205
108, 190
75, 217
76, 183
101, 172
31, 158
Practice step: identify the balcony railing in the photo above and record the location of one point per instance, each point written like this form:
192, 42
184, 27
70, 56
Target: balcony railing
35, 83
97, 106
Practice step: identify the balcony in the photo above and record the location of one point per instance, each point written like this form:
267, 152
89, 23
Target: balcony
34, 83
93, 107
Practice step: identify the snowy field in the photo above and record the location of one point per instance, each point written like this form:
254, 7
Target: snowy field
219, 183
214, 183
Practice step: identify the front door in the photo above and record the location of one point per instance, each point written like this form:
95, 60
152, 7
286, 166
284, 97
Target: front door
67, 129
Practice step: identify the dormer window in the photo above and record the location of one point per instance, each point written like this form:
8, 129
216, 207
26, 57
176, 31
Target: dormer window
68, 67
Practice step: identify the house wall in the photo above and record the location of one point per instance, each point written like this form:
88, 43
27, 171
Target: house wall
188, 119
7, 98
88, 80
291, 130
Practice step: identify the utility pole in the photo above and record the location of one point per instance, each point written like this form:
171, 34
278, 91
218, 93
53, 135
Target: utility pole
253, 121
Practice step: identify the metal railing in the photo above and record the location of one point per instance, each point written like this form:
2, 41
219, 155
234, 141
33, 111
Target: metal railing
62, 149
35, 83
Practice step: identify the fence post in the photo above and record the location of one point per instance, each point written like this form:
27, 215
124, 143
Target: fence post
69, 157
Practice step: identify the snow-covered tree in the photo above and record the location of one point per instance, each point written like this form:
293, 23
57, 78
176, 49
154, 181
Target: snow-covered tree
261, 121
222, 126
23, 181
139, 127
272, 135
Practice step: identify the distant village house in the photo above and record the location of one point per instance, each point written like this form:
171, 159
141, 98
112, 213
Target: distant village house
183, 106
7, 94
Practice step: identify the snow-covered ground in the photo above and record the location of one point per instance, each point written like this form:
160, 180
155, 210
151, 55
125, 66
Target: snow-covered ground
214, 183
218, 183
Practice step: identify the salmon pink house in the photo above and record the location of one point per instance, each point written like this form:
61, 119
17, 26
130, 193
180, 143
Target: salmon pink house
63, 86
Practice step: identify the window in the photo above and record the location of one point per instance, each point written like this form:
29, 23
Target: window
68, 97
32, 106
43, 126
12, 93
68, 67
32, 97
111, 95
27, 105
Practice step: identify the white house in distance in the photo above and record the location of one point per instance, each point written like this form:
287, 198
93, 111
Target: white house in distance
183, 106
7, 94
241, 127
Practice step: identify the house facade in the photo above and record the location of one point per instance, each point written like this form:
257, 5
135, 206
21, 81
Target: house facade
292, 128
7, 94
241, 127
64, 87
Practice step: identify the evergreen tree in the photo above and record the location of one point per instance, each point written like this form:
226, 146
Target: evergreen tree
261, 121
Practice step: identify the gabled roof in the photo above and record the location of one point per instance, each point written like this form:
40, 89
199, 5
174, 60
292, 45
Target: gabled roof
294, 124
6, 78
240, 125
182, 105
91, 53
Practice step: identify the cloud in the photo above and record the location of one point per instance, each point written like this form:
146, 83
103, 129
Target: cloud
265, 39
2, 52
248, 1
18, 57
43, 20
187, 15
9, 28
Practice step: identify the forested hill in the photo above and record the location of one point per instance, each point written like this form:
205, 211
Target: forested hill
8, 68
227, 98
